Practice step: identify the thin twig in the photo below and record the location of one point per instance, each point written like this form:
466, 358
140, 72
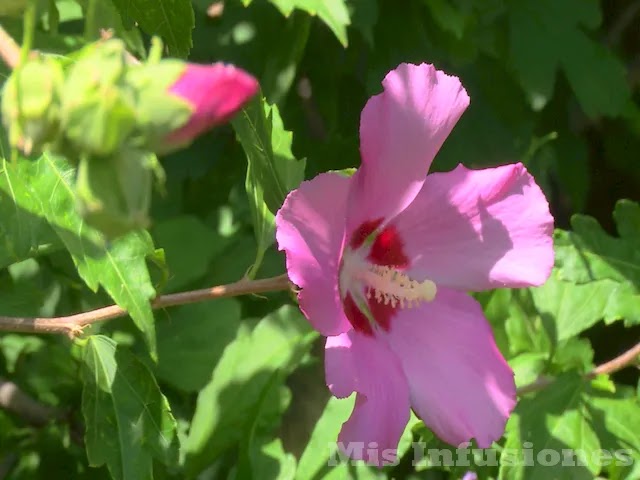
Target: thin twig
30, 410
627, 358
9, 49
622, 22
72, 325
7, 463
621, 361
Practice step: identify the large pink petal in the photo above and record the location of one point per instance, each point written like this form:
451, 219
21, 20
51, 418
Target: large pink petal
479, 229
460, 384
401, 130
363, 364
310, 228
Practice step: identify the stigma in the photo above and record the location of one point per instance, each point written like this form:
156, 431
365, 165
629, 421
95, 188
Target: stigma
391, 287
386, 285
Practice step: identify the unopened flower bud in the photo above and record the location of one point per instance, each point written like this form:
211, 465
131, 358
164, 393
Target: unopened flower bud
31, 103
215, 93
98, 110
176, 102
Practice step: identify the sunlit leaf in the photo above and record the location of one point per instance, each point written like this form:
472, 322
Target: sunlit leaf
119, 267
227, 405
128, 420
24, 232
552, 420
590, 255
571, 308
332, 12
172, 20
616, 420
322, 446
272, 170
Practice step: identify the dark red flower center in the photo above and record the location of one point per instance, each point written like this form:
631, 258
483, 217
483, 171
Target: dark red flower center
381, 287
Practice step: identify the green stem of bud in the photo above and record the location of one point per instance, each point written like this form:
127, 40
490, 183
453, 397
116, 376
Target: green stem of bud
54, 17
90, 28
29, 30
155, 52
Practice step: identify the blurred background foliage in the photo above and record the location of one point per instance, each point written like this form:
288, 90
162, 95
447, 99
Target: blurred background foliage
553, 83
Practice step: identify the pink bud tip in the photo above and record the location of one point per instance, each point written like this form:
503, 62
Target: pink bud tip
215, 92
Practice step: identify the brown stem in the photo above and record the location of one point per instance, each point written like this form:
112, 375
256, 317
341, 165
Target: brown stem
9, 49
7, 463
627, 358
622, 22
72, 325
612, 366
16, 401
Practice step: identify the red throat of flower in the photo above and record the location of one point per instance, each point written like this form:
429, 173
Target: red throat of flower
375, 286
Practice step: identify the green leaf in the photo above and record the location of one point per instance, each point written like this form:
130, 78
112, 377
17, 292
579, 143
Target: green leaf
270, 460
282, 64
552, 420
272, 170
107, 17
333, 13
234, 260
267, 145
119, 267
322, 443
114, 194
263, 219
570, 308
517, 327
191, 339
12, 7
405, 445
189, 246
542, 319
448, 17
527, 366
616, 420
172, 20
546, 35
259, 453
589, 254
364, 16
567, 422
499, 126
618, 417
432, 452
226, 407
573, 354
128, 419
13, 346
27, 299
24, 233
49, 372
571, 161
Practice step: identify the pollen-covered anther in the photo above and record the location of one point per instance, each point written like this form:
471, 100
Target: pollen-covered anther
390, 286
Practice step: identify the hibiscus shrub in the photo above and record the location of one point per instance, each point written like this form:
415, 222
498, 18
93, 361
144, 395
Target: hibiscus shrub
319, 239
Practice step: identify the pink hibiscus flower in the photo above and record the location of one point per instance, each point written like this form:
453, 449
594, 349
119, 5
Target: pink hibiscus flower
214, 92
384, 259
